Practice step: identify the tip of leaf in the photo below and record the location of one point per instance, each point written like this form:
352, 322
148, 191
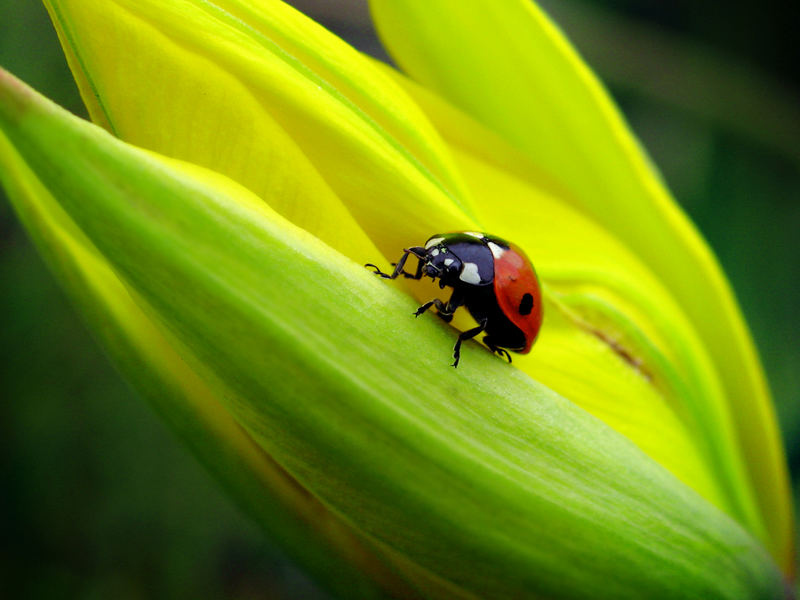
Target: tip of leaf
15, 97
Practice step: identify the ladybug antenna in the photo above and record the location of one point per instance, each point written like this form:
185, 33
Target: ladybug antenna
439, 270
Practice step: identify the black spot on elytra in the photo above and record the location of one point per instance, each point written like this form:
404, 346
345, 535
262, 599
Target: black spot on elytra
526, 305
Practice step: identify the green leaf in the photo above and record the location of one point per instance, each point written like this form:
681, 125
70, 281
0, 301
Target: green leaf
158, 366
477, 482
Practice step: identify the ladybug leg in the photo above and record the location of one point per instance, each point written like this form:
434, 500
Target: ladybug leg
418, 273
443, 311
417, 251
497, 350
464, 336
426, 306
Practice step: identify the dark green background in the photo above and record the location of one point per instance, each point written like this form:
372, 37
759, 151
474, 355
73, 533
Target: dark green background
100, 501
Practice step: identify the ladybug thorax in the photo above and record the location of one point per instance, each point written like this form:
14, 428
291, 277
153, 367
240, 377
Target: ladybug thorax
459, 260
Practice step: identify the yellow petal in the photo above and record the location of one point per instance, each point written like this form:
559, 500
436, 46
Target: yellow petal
258, 92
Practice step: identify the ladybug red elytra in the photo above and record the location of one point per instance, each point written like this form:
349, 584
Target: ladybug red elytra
492, 278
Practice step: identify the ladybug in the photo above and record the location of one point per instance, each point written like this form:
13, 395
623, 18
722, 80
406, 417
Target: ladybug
492, 278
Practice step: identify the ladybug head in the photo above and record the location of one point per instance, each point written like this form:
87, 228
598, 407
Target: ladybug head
460, 260
441, 264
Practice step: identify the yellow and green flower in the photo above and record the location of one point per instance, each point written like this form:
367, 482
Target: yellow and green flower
212, 232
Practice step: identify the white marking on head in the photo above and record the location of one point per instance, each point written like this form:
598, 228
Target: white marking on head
433, 242
448, 262
497, 251
474, 234
469, 274
435, 252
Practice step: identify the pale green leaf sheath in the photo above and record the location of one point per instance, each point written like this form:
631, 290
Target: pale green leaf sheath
477, 483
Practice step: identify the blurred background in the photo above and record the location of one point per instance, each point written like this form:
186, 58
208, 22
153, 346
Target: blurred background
100, 501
